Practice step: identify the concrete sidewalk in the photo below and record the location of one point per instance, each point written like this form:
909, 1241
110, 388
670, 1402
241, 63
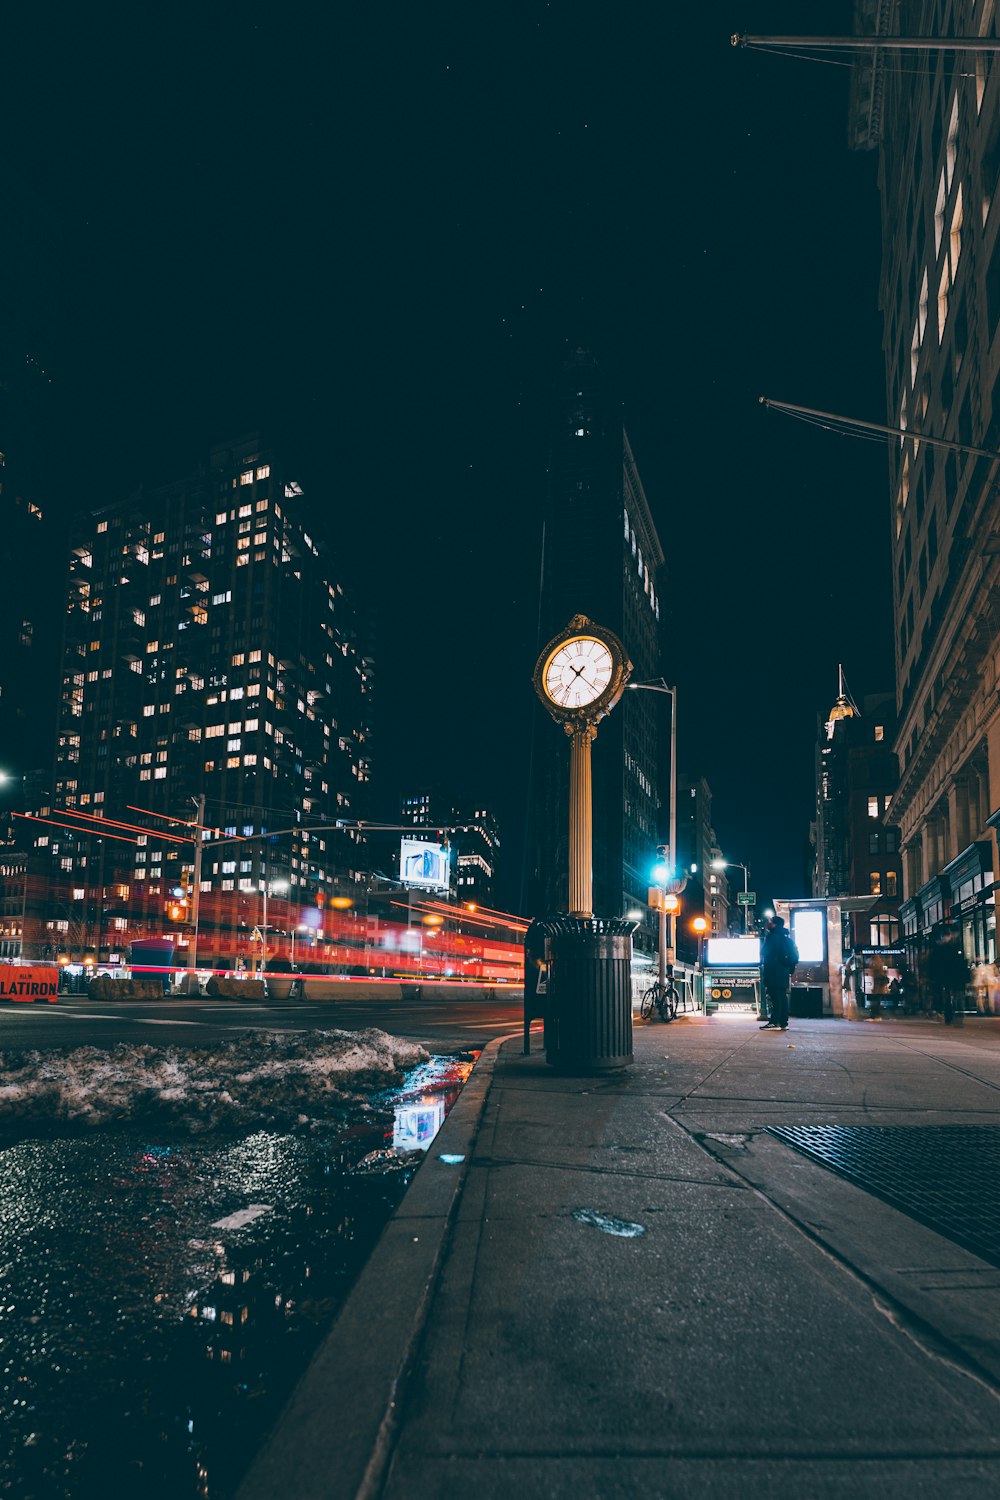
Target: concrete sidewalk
625, 1287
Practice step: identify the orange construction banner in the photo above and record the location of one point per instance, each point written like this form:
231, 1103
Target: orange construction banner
29, 982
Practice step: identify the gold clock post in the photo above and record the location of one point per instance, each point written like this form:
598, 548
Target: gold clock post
579, 677
581, 821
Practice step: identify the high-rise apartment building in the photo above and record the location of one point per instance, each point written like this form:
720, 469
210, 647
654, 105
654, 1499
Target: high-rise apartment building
936, 125
209, 654
601, 558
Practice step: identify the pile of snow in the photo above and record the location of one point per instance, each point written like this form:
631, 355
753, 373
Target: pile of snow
261, 1077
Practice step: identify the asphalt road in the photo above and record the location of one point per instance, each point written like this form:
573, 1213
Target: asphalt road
451, 1025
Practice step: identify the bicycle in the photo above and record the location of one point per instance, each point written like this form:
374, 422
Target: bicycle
662, 998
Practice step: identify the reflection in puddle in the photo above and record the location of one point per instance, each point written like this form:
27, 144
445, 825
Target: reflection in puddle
160, 1299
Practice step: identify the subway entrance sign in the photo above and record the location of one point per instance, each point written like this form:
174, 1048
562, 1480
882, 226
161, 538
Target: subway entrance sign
29, 983
732, 972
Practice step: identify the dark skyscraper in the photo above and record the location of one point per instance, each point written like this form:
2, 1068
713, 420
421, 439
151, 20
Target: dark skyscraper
601, 558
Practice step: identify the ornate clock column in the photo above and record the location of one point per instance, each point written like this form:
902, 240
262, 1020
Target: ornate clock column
581, 820
579, 677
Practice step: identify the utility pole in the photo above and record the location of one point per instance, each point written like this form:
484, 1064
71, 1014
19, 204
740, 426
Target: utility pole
199, 819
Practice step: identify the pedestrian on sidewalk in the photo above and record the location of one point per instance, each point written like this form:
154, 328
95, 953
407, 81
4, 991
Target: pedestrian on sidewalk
778, 961
880, 987
948, 972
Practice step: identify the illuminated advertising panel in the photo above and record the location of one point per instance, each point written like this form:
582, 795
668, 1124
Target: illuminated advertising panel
808, 934
423, 864
729, 953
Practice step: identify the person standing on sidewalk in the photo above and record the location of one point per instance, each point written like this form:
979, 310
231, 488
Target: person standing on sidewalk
949, 974
879, 989
778, 960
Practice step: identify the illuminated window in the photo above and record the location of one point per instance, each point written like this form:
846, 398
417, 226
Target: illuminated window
158, 537
148, 710
232, 762
220, 519
247, 477
263, 471
880, 731
873, 807
246, 510
876, 883
890, 883
102, 525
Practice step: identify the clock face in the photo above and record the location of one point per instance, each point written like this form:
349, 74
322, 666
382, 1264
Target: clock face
578, 673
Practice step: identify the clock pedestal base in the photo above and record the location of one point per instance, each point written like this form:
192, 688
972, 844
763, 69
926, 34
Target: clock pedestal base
588, 1014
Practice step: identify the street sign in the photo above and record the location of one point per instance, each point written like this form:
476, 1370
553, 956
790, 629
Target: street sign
746, 898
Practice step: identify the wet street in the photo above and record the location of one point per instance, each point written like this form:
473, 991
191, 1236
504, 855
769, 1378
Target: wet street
163, 1289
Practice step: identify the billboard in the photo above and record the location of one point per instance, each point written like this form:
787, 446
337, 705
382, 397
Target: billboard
739, 952
808, 925
424, 864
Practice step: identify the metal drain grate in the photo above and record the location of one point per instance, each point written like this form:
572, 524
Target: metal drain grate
945, 1176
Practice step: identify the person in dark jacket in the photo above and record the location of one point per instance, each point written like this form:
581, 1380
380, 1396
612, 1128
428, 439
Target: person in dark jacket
777, 961
948, 973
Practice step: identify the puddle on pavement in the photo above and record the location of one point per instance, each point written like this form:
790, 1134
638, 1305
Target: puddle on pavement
144, 1349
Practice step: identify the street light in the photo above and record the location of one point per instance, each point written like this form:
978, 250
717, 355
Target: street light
721, 864
269, 886
669, 864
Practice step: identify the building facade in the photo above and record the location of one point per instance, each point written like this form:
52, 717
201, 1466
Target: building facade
857, 844
936, 126
601, 558
707, 891
472, 835
212, 673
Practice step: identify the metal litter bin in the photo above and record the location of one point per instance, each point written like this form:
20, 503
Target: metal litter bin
588, 1016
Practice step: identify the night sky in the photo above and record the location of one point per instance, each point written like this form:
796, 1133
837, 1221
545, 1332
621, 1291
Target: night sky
376, 232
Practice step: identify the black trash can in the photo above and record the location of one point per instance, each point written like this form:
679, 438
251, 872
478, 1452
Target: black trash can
588, 1015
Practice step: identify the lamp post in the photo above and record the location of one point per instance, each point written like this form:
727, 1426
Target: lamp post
700, 926
269, 886
721, 864
668, 941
